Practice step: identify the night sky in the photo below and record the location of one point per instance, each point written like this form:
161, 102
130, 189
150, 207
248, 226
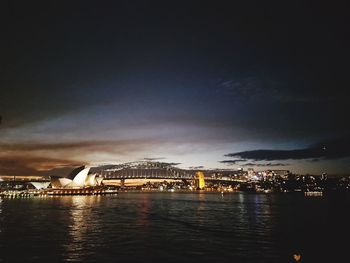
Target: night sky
218, 84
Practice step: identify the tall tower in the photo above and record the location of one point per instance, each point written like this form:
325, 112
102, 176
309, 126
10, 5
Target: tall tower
200, 183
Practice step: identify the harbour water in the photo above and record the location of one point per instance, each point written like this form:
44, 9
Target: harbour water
175, 227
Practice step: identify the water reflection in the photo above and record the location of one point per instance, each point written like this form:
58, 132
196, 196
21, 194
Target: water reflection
84, 224
201, 213
144, 213
240, 227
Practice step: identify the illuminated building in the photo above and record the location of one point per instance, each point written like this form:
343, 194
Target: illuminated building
78, 178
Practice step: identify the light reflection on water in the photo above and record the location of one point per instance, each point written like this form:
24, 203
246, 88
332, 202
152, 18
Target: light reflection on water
83, 223
168, 226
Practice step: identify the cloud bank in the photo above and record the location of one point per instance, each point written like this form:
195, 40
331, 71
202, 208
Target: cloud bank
329, 149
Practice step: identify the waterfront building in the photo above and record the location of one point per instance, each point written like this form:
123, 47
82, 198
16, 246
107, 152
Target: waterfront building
78, 178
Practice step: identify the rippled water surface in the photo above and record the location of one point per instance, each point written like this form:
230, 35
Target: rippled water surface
176, 227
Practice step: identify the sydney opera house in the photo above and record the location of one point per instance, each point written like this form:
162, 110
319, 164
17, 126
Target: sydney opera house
78, 178
78, 182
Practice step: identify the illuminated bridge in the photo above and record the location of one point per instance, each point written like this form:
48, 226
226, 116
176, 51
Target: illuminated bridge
152, 170
145, 170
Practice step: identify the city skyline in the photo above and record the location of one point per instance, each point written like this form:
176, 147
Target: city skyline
222, 85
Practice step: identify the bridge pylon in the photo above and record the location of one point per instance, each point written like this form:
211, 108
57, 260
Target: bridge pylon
200, 183
122, 182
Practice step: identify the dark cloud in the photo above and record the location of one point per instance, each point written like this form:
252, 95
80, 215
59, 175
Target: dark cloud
153, 158
108, 146
328, 149
232, 162
265, 164
54, 146
35, 166
196, 167
243, 162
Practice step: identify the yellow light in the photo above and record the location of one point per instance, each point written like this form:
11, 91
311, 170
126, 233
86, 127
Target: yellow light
200, 178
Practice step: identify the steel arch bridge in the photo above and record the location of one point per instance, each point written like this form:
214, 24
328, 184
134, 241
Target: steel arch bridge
147, 174
147, 171
153, 170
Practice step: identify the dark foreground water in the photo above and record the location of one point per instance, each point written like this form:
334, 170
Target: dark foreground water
175, 227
